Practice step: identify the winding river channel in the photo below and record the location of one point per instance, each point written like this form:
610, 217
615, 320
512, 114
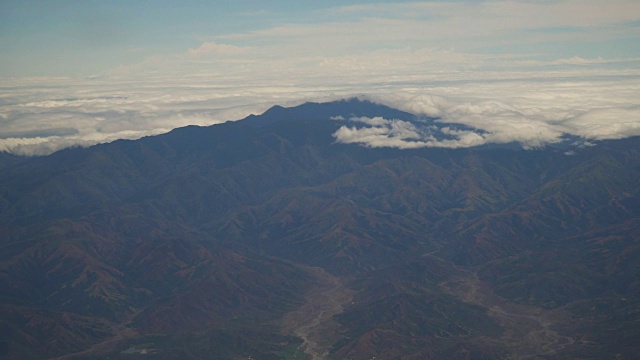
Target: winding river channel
313, 322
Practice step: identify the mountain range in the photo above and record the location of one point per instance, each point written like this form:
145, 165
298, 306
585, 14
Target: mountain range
266, 238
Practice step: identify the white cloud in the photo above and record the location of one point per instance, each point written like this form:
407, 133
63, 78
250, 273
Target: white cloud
376, 121
513, 70
532, 109
577, 60
491, 123
457, 26
504, 123
401, 134
532, 112
209, 47
416, 41
605, 123
385, 133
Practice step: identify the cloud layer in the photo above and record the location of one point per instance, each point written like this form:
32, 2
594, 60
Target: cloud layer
533, 113
40, 116
492, 71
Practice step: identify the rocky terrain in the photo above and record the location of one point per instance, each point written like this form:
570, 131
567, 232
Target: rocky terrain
267, 239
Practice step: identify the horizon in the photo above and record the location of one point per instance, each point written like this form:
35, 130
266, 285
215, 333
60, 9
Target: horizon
358, 179
81, 74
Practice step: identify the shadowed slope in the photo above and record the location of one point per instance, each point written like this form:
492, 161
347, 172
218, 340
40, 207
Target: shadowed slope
201, 241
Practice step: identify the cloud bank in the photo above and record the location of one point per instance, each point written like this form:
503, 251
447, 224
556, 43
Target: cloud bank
499, 71
40, 116
532, 111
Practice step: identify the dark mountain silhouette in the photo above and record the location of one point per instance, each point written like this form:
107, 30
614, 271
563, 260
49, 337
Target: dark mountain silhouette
266, 239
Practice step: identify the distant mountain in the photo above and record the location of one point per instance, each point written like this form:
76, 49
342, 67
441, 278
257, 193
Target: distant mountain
266, 238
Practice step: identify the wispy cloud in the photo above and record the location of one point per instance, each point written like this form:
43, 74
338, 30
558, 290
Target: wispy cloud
462, 26
213, 48
400, 134
404, 39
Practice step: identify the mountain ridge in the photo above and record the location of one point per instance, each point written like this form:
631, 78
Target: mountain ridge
205, 238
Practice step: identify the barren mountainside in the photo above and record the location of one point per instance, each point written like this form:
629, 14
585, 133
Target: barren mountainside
266, 238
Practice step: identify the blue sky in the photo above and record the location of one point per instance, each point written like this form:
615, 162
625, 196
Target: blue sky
86, 71
79, 38
71, 38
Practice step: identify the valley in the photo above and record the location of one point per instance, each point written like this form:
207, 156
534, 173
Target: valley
313, 322
264, 238
528, 332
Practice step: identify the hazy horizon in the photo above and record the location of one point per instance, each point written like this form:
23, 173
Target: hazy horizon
80, 74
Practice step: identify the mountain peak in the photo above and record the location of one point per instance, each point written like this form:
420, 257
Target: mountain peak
352, 107
231, 239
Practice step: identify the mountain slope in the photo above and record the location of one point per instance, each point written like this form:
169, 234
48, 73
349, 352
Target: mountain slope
210, 240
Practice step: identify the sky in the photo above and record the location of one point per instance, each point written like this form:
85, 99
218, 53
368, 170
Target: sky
85, 72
